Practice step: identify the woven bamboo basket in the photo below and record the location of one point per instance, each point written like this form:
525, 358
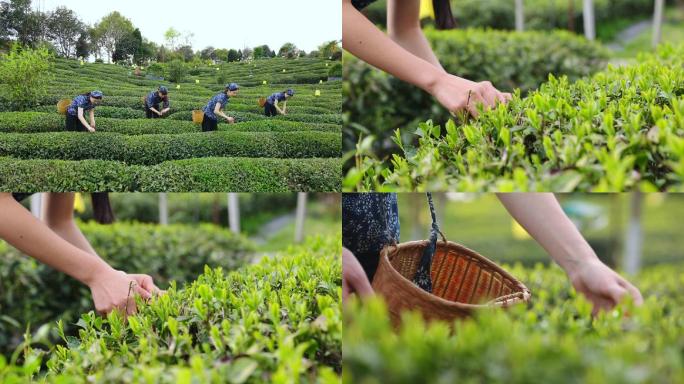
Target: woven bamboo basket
63, 105
463, 282
197, 116
262, 101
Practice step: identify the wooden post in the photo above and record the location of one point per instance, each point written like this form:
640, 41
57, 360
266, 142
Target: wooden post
300, 217
163, 209
657, 22
234, 212
634, 236
519, 15
571, 15
589, 21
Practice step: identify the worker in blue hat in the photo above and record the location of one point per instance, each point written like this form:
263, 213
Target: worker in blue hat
216, 106
75, 118
271, 107
153, 100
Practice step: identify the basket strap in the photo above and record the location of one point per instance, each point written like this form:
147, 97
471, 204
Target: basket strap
422, 277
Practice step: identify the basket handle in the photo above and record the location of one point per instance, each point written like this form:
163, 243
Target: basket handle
422, 278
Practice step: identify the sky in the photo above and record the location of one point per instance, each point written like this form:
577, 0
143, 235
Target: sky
222, 24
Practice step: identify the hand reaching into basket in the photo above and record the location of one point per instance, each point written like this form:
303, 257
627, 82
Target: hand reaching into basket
354, 279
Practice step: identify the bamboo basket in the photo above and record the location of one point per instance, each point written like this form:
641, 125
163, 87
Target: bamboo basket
262, 101
63, 105
197, 116
463, 282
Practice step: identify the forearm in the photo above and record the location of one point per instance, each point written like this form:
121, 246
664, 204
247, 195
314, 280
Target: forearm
82, 119
58, 215
403, 27
543, 218
29, 235
365, 41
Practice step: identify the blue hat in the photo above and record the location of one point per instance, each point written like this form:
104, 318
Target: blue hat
232, 87
290, 92
163, 90
96, 94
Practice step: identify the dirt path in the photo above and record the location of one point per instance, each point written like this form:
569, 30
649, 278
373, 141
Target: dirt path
630, 33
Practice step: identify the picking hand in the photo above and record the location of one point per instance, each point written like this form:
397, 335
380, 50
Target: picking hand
457, 94
354, 279
116, 290
602, 286
91, 129
231, 120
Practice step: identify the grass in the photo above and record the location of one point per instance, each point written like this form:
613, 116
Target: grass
672, 32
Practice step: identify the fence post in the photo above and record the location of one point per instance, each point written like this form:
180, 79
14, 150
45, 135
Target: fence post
519, 16
234, 212
657, 22
300, 216
589, 20
634, 236
163, 209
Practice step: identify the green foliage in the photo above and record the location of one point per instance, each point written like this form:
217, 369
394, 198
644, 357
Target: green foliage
277, 321
551, 340
34, 293
335, 70
154, 149
619, 130
376, 103
25, 73
190, 175
177, 70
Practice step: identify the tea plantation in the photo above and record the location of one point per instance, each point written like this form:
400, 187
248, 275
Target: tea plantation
298, 151
552, 340
618, 130
277, 321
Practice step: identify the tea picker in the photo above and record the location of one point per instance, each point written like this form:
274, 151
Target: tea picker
215, 108
270, 104
153, 100
75, 109
444, 280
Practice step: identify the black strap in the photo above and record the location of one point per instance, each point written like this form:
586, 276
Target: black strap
422, 277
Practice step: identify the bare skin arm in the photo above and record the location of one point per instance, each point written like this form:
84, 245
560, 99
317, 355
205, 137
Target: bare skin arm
281, 111
354, 280
219, 112
92, 118
543, 218
365, 41
83, 120
403, 26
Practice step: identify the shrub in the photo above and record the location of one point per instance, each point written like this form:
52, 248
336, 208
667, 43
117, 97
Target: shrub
32, 292
553, 340
156, 69
153, 149
375, 103
177, 70
26, 73
335, 70
617, 131
193, 175
276, 321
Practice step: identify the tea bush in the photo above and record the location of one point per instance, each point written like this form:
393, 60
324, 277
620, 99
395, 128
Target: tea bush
34, 293
552, 340
375, 103
278, 321
189, 175
619, 130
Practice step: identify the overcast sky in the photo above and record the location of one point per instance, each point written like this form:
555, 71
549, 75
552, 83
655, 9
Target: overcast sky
222, 24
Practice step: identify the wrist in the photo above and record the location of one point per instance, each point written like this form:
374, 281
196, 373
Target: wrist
96, 272
431, 80
574, 261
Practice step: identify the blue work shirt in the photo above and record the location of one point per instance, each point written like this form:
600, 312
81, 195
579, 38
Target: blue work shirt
153, 100
222, 99
80, 101
280, 96
369, 222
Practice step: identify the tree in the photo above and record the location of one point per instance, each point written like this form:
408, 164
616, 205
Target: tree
247, 53
289, 51
148, 51
64, 29
330, 50
186, 53
26, 73
208, 53
111, 30
19, 22
171, 36
221, 54
177, 71
129, 48
233, 56
239, 55
82, 45
263, 52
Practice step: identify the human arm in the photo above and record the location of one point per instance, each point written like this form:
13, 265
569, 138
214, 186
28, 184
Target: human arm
83, 120
354, 279
403, 27
92, 118
219, 112
543, 218
281, 111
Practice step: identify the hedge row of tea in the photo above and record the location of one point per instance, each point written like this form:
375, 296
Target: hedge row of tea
34, 293
211, 174
278, 321
129, 152
621, 129
552, 340
376, 103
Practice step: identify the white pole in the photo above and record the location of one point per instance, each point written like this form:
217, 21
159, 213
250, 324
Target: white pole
658, 22
634, 237
300, 216
589, 21
163, 209
519, 15
37, 204
234, 212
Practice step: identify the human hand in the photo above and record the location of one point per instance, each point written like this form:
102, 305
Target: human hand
231, 120
116, 290
91, 129
147, 283
601, 285
354, 279
457, 94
